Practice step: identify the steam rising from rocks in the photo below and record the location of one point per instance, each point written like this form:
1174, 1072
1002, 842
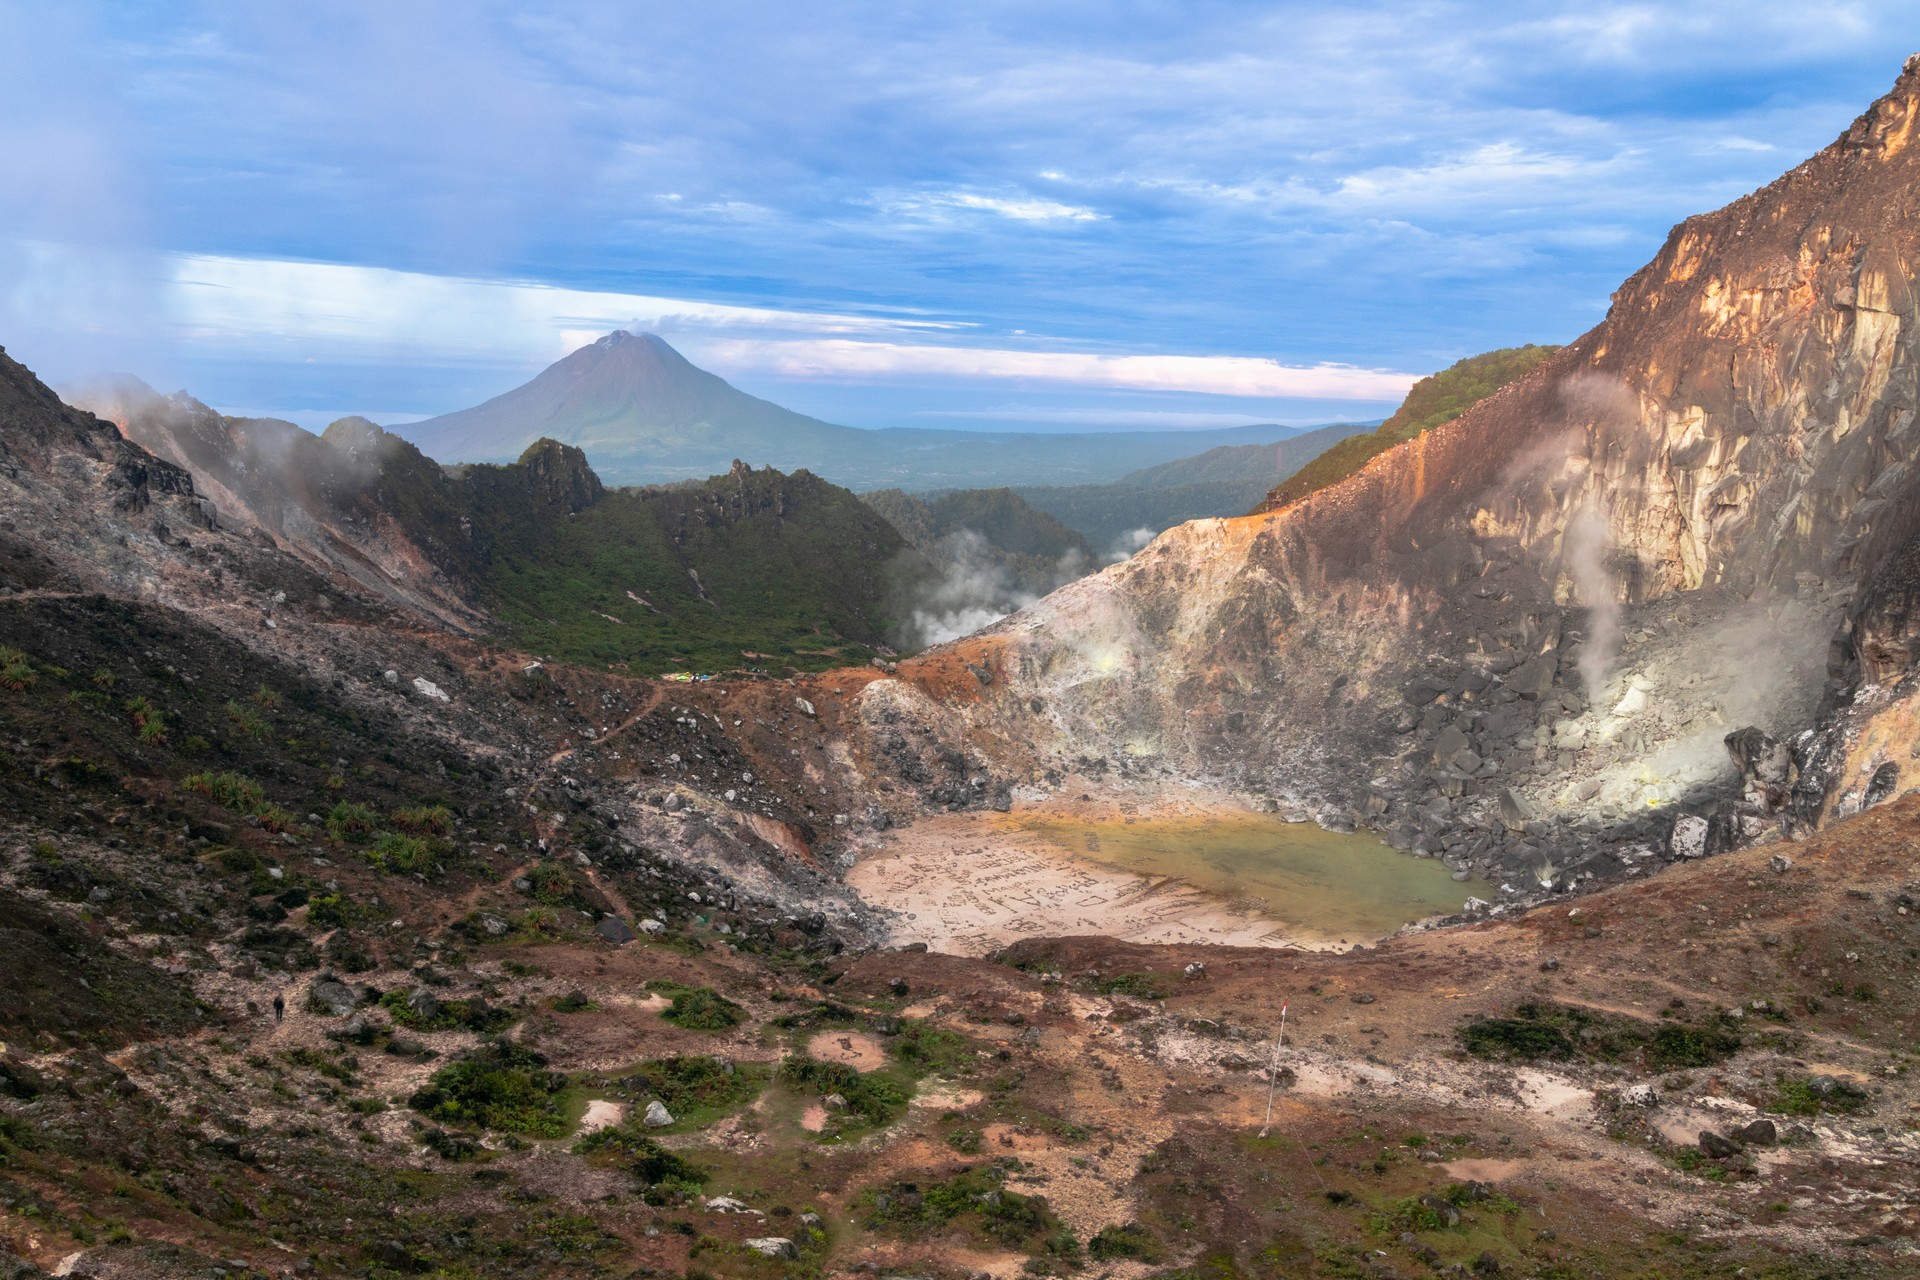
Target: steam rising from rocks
1586, 548
975, 589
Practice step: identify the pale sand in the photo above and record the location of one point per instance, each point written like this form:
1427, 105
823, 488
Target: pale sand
969, 884
602, 1114
855, 1049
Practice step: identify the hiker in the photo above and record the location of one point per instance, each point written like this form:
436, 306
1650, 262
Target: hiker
279, 1007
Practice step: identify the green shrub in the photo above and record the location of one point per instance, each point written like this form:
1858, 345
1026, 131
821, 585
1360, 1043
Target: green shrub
448, 1015
352, 823
698, 1088
266, 699
501, 1086
663, 1176
871, 1098
1675, 1046
104, 678
275, 819
229, 790
927, 1048
1540, 1030
703, 1009
977, 1198
1803, 1098
245, 720
424, 820
16, 670
404, 855
1130, 1240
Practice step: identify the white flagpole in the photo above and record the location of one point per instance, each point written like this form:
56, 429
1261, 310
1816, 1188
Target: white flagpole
1273, 1068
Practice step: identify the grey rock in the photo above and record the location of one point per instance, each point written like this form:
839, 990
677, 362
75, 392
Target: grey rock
423, 1004
1718, 1146
658, 1117
332, 996
1515, 813
773, 1247
1758, 1133
1534, 677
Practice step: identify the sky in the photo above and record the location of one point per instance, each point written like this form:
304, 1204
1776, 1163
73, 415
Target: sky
1061, 216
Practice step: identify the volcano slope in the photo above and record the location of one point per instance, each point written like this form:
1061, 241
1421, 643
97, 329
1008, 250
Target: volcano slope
433, 851
1521, 641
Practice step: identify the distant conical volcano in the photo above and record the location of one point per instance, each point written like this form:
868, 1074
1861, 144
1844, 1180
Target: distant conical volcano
644, 414
631, 398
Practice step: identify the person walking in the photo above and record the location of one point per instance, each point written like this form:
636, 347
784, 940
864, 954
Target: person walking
279, 1007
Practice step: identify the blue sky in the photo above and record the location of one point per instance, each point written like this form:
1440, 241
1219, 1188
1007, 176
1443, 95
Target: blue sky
1067, 215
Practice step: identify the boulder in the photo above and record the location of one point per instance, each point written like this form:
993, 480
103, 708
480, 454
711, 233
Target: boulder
1765, 764
331, 996
773, 1247
1757, 1133
494, 925
428, 689
834, 1102
1450, 741
1718, 1146
651, 926
657, 1116
1640, 1095
1441, 1208
1689, 839
1534, 677
423, 1004
1515, 813
615, 930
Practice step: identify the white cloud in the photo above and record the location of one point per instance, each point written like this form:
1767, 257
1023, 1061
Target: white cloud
253, 302
1211, 375
946, 206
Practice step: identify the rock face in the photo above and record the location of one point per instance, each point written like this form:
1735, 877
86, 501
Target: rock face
1582, 585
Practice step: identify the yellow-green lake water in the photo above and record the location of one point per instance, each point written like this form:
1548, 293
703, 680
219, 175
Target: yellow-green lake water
1323, 885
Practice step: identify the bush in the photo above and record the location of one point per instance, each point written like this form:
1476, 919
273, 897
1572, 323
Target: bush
448, 1015
927, 1048
1541, 1030
703, 1009
501, 1086
979, 1198
664, 1177
699, 1088
1130, 1240
424, 820
228, 790
245, 720
352, 823
870, 1098
404, 855
16, 670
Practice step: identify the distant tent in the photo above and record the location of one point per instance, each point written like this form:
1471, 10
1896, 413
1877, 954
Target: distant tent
614, 930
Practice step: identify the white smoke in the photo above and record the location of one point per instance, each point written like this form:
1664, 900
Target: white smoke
1128, 543
974, 589
1586, 549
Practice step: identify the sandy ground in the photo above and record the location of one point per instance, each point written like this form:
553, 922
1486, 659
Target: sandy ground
602, 1114
969, 884
856, 1049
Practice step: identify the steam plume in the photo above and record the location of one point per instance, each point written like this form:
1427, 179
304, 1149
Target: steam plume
1586, 543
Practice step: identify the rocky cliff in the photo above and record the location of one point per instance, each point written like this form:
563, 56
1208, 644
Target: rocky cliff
1520, 640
